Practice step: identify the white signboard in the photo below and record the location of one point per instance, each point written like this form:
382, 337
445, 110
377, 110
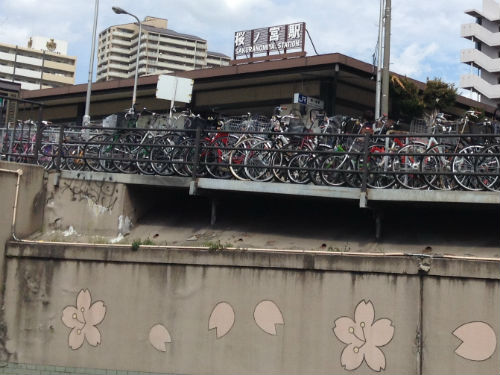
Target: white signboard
309, 101
269, 39
175, 89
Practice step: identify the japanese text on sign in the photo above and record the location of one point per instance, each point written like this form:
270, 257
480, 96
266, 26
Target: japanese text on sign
269, 39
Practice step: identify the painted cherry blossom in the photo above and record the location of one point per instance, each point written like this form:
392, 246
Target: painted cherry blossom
363, 337
159, 337
221, 319
82, 319
267, 315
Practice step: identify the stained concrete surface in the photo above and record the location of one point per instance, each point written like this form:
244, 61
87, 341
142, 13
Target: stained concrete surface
260, 221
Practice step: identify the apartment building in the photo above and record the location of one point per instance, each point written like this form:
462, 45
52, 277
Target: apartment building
162, 50
43, 63
484, 58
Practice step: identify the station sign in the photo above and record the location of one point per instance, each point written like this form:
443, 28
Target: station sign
309, 101
265, 40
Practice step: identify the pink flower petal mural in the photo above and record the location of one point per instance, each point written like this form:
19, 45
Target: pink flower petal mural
82, 320
363, 337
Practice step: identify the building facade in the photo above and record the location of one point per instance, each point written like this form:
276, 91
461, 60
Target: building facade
161, 51
484, 58
43, 63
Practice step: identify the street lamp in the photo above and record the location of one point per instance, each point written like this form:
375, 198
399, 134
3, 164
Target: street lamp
119, 10
86, 117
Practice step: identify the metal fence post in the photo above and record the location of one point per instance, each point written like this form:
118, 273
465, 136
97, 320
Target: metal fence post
364, 175
59, 148
364, 181
197, 143
39, 134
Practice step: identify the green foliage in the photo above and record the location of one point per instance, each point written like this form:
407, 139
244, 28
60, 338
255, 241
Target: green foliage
405, 100
214, 246
439, 95
148, 241
136, 244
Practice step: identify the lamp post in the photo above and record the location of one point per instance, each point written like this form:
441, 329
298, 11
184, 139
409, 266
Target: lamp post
86, 117
118, 10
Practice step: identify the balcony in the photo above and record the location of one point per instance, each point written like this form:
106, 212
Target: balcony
29, 60
471, 81
475, 31
58, 78
28, 73
6, 56
6, 69
481, 60
60, 66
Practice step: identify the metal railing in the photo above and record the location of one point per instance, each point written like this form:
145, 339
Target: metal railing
257, 153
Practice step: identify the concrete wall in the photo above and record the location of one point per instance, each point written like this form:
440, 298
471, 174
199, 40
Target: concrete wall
90, 207
249, 312
30, 201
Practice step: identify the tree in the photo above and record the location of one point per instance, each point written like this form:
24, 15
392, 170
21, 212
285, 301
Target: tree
439, 95
406, 103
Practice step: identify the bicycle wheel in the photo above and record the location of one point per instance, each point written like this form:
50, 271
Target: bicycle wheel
282, 158
259, 161
190, 160
161, 156
91, 152
217, 157
380, 175
315, 162
433, 164
299, 168
488, 168
106, 153
406, 166
124, 153
74, 157
464, 168
46, 156
237, 157
331, 172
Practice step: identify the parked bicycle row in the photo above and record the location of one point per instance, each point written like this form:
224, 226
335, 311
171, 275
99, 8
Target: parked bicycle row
336, 151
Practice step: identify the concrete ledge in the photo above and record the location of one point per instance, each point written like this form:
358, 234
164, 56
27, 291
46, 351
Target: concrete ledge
131, 179
393, 263
434, 196
279, 188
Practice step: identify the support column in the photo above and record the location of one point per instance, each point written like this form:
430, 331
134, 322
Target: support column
213, 211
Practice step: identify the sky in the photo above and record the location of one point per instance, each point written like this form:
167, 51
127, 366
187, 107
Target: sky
425, 37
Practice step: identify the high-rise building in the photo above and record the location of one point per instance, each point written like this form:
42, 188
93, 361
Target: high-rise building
42, 64
162, 51
484, 58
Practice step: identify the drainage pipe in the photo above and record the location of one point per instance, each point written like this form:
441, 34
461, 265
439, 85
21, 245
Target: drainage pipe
19, 173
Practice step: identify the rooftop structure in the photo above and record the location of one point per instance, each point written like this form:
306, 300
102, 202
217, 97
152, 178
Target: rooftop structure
162, 50
43, 63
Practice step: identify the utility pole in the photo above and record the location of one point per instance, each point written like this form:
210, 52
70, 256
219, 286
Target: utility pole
387, 58
86, 116
380, 50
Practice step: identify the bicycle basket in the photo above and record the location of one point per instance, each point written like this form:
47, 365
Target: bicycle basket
296, 126
419, 126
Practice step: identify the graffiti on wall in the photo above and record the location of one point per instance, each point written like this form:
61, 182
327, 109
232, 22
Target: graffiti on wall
99, 194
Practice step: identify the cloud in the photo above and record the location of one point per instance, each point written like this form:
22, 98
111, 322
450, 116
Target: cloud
412, 61
426, 30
